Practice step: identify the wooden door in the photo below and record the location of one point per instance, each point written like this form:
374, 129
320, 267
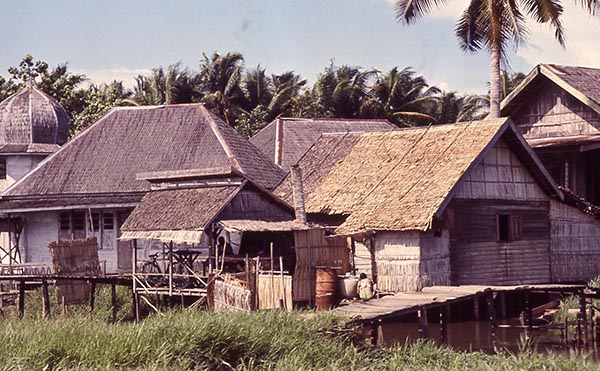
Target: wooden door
124, 248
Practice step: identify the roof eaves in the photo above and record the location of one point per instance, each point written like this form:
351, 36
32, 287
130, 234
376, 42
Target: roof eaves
522, 86
551, 74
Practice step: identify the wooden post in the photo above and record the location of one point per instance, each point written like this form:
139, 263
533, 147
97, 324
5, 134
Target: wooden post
423, 323
583, 315
311, 292
273, 304
492, 317
503, 312
92, 298
170, 268
21, 299
476, 308
210, 294
134, 271
444, 317
64, 307
597, 320
113, 301
527, 315
374, 333
566, 337
283, 298
135, 307
45, 300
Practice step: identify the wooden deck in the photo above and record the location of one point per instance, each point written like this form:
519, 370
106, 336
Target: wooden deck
436, 296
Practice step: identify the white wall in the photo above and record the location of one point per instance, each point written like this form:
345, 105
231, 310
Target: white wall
17, 166
40, 228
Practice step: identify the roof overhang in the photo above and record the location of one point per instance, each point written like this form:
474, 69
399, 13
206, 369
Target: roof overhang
263, 226
180, 236
577, 143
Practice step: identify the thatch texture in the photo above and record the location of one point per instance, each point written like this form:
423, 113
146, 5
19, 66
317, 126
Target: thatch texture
398, 180
246, 225
31, 116
127, 141
286, 140
179, 209
231, 297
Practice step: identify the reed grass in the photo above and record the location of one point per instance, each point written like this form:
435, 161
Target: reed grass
200, 340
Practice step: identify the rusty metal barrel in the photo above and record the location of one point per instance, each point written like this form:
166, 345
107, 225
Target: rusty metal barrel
325, 291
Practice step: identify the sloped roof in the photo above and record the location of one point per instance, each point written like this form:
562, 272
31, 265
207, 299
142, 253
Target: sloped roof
583, 83
106, 157
285, 140
32, 116
399, 180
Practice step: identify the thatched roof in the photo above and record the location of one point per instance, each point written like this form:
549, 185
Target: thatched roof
583, 83
285, 140
183, 213
399, 180
263, 226
32, 117
105, 158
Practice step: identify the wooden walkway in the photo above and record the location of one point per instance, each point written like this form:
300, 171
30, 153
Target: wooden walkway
436, 296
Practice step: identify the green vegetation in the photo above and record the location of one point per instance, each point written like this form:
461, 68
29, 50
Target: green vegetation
199, 340
249, 98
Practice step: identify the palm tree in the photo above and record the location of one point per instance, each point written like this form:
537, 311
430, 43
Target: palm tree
402, 97
220, 78
175, 85
454, 108
492, 25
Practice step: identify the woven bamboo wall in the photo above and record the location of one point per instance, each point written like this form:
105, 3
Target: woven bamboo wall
410, 260
231, 297
272, 289
74, 258
312, 250
575, 244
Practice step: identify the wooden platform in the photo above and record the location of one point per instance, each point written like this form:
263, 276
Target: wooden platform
430, 297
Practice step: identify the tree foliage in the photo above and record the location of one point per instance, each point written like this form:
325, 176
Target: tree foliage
250, 98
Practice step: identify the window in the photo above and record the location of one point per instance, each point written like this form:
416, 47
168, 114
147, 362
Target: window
96, 222
79, 221
65, 221
2, 168
108, 221
509, 227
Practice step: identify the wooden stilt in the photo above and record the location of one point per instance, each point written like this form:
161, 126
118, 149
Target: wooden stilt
597, 329
92, 298
502, 297
583, 315
444, 316
423, 323
476, 316
136, 306
45, 300
21, 299
492, 318
113, 301
527, 314
374, 333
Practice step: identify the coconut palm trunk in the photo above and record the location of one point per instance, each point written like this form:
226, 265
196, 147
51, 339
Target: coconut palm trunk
495, 86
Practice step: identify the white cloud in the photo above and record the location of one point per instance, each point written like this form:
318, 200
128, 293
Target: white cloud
107, 75
582, 41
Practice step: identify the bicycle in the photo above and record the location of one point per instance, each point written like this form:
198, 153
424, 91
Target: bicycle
156, 278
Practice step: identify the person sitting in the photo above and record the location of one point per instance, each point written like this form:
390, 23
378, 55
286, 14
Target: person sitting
365, 287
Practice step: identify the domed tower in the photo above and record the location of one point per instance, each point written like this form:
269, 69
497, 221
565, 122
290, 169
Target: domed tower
32, 126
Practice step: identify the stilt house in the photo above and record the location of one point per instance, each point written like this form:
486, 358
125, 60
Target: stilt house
557, 109
454, 204
89, 187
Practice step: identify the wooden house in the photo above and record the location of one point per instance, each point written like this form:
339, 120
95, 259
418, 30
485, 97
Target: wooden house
557, 109
89, 187
453, 204
285, 140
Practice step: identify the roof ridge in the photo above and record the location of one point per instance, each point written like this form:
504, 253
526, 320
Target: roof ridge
221, 139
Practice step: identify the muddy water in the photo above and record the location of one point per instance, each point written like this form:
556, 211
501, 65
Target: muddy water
476, 335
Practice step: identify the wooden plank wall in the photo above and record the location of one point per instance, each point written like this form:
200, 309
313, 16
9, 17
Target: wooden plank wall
502, 176
476, 256
271, 291
575, 244
249, 204
554, 112
435, 259
312, 250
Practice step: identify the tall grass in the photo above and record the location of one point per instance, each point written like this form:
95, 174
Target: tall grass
192, 340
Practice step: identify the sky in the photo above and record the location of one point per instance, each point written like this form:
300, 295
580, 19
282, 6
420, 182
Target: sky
119, 39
